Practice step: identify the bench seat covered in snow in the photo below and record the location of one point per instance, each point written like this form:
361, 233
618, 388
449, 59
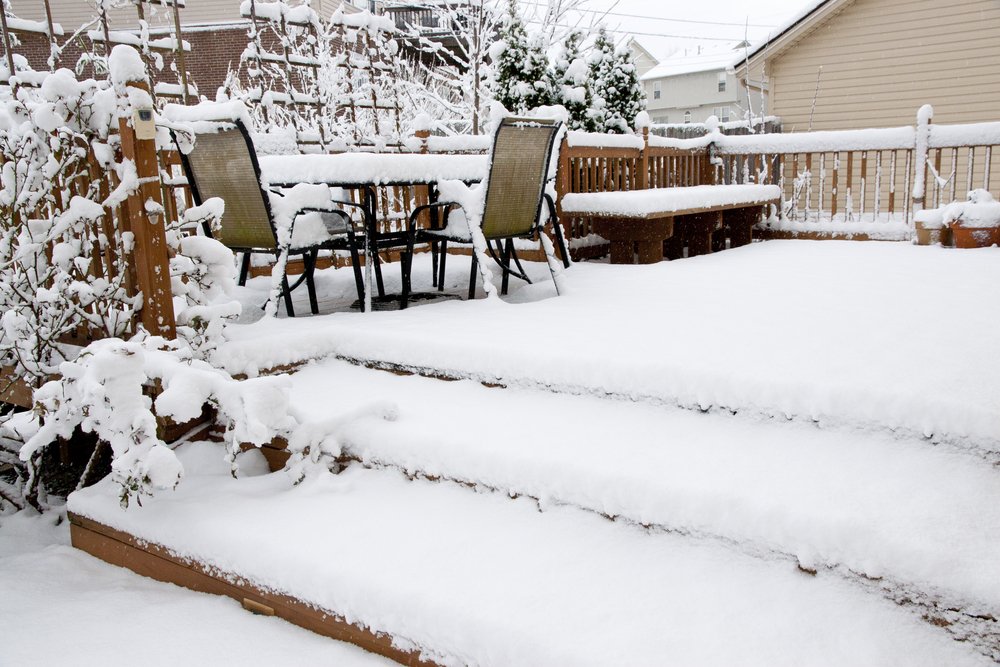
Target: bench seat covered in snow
644, 219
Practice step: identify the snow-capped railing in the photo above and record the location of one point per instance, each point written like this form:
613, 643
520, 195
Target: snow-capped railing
853, 182
590, 162
864, 181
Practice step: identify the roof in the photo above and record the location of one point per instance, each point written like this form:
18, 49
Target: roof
707, 60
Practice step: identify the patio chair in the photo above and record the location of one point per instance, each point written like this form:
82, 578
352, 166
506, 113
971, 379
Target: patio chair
223, 163
513, 207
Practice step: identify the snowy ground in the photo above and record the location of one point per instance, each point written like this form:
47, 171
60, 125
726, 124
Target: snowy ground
61, 606
782, 454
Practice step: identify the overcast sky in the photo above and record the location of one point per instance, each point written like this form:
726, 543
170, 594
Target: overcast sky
665, 27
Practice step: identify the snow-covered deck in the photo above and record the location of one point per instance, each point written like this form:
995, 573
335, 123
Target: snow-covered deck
868, 335
780, 454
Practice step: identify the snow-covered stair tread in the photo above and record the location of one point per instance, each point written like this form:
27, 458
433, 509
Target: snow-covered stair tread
479, 579
872, 335
923, 518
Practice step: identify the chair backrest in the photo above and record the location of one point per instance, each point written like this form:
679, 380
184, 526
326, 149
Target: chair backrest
223, 164
519, 167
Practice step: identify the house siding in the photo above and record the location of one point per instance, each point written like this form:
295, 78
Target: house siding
698, 93
882, 59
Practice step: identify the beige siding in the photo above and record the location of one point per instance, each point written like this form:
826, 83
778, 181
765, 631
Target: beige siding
882, 59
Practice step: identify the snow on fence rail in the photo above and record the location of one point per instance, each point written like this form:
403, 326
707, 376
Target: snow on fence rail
851, 182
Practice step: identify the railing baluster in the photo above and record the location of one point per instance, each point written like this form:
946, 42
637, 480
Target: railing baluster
988, 157
878, 186
892, 184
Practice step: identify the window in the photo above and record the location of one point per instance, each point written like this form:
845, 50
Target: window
656, 90
722, 82
722, 113
687, 116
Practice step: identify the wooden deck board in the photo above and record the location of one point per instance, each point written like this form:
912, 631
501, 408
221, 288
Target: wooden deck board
155, 561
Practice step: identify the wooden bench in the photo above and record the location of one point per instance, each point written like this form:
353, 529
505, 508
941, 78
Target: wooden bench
640, 222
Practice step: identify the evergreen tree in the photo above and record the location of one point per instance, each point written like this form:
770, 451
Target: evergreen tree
602, 62
522, 78
622, 93
537, 75
572, 79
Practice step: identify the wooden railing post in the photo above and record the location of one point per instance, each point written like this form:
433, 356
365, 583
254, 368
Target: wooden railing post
924, 117
562, 188
706, 175
146, 216
422, 193
642, 178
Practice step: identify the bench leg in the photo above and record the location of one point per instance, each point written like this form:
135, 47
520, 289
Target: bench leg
702, 227
719, 240
622, 252
673, 248
650, 252
740, 223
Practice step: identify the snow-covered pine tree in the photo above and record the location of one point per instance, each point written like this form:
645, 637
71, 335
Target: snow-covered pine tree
522, 77
601, 62
622, 93
572, 77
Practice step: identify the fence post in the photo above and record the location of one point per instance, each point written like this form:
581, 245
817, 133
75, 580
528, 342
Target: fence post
562, 188
922, 140
145, 207
706, 172
642, 178
422, 193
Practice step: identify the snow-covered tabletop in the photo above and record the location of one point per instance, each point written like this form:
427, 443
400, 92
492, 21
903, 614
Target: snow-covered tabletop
372, 168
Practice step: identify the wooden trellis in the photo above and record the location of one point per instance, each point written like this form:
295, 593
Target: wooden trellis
293, 67
104, 38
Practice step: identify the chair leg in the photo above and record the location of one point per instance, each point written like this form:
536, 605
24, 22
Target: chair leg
441, 264
406, 265
434, 263
561, 241
472, 276
359, 279
508, 247
517, 263
244, 268
378, 271
287, 293
309, 266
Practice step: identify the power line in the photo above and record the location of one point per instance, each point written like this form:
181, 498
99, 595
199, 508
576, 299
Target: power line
661, 18
656, 34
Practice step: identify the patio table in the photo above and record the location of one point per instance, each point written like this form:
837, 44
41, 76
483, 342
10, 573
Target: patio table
365, 172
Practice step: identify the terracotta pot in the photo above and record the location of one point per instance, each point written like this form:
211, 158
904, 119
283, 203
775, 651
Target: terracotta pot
973, 237
940, 235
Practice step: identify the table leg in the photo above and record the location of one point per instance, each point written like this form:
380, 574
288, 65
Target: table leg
370, 231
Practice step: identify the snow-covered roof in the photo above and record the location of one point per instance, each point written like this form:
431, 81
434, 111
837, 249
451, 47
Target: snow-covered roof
705, 60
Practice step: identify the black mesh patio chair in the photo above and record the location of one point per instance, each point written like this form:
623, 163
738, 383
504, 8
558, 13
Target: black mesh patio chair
513, 208
223, 163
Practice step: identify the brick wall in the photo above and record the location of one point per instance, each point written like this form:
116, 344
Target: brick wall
212, 52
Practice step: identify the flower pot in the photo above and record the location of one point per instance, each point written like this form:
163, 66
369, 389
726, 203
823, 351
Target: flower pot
940, 235
975, 237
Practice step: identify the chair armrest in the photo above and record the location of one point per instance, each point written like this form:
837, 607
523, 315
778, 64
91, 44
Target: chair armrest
313, 209
448, 206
